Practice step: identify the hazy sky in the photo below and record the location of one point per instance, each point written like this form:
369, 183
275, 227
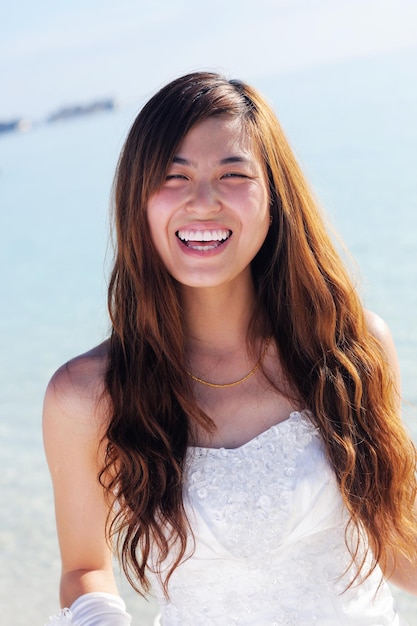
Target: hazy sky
54, 53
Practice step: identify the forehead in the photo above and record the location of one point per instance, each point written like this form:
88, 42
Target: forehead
220, 135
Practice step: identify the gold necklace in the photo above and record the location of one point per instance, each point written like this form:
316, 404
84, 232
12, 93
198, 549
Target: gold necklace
236, 382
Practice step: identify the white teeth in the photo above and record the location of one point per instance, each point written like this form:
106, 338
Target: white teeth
203, 235
205, 247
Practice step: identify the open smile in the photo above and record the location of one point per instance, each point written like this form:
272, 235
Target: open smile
202, 240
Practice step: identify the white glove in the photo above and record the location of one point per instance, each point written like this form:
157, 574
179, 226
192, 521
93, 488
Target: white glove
93, 609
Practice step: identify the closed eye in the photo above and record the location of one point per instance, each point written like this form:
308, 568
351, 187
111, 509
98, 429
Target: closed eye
235, 175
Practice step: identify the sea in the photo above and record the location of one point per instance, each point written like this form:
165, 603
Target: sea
353, 127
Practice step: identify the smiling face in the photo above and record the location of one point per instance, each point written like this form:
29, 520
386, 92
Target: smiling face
211, 215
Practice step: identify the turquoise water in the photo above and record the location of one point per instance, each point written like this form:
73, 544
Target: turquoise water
354, 130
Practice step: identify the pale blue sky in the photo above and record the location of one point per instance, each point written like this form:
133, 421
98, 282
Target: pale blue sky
55, 52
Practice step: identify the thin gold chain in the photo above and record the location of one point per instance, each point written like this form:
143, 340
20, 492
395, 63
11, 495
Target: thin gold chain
236, 382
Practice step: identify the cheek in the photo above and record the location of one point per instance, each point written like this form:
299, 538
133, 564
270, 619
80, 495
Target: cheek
258, 210
259, 226
158, 221
261, 234
157, 218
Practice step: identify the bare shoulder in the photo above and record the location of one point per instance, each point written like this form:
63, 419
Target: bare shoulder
75, 416
380, 330
75, 394
377, 326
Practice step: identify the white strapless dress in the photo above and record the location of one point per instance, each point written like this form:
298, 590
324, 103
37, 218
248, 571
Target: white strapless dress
269, 527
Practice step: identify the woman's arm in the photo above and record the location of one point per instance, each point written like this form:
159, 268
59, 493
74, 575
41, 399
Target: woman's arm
73, 425
401, 571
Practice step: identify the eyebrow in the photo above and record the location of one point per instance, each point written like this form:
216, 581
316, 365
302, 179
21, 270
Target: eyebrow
234, 159
231, 159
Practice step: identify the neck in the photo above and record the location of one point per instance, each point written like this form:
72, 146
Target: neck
217, 319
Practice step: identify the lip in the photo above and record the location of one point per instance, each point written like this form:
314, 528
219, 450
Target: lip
203, 226
203, 250
204, 247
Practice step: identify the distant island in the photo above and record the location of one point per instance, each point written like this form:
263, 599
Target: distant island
65, 113
18, 124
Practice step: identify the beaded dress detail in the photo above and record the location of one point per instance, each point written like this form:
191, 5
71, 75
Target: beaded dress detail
269, 540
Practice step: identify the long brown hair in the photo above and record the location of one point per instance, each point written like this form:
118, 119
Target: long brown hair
305, 299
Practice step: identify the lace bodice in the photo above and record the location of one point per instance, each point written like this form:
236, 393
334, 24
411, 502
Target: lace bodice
269, 527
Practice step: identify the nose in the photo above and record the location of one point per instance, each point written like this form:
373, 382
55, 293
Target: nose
203, 198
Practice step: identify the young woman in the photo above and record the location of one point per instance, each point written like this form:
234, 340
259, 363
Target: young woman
237, 438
